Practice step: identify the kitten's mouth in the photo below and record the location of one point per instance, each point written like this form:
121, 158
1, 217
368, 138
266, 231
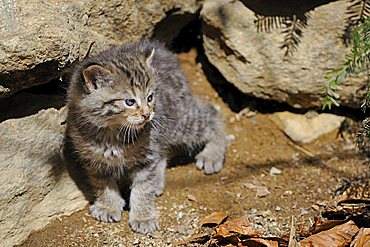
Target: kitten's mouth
140, 125
137, 123
140, 122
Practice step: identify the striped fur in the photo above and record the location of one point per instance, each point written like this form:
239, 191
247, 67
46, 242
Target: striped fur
116, 146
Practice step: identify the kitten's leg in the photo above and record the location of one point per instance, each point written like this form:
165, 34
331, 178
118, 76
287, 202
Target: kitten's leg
147, 183
109, 203
211, 158
161, 177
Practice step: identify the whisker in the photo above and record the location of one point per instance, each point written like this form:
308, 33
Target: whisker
155, 121
152, 123
135, 132
125, 133
121, 128
131, 135
164, 117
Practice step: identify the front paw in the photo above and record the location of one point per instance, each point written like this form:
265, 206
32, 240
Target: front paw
106, 213
209, 162
145, 225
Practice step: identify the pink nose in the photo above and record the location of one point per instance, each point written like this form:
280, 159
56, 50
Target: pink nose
146, 116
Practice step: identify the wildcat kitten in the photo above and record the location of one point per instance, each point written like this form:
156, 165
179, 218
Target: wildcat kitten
128, 109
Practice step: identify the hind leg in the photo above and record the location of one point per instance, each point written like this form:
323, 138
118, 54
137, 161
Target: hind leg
211, 158
161, 171
207, 130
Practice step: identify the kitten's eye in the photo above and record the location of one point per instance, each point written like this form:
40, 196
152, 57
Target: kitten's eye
150, 98
129, 102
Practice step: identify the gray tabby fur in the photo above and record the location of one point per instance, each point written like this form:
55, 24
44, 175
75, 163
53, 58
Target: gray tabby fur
118, 145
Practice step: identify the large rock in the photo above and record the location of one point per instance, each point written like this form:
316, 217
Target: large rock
256, 64
35, 187
40, 38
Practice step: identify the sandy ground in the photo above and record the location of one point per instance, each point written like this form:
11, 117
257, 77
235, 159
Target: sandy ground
302, 189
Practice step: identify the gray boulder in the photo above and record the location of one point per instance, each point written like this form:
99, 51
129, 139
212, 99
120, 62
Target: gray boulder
254, 61
35, 185
40, 38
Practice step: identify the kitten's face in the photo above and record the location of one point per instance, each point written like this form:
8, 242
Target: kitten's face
120, 97
133, 108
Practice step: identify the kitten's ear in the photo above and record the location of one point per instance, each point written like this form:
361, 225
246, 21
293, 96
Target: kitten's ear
96, 76
149, 59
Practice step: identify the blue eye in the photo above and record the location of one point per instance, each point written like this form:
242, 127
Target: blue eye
150, 98
129, 102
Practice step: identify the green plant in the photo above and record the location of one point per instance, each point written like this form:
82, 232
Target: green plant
357, 61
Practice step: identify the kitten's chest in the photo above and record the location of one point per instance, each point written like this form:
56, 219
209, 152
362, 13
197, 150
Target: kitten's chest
111, 152
128, 155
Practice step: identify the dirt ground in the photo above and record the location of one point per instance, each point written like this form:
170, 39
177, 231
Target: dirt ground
302, 189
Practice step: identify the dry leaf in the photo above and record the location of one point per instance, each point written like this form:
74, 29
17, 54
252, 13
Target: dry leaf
362, 238
240, 226
215, 218
320, 225
260, 242
337, 236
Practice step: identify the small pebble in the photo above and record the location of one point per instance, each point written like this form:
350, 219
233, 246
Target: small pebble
288, 193
315, 207
267, 214
274, 171
230, 137
180, 214
304, 211
254, 120
191, 198
84, 19
181, 229
249, 185
246, 112
217, 107
321, 203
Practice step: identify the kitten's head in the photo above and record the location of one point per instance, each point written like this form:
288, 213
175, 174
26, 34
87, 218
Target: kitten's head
120, 93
